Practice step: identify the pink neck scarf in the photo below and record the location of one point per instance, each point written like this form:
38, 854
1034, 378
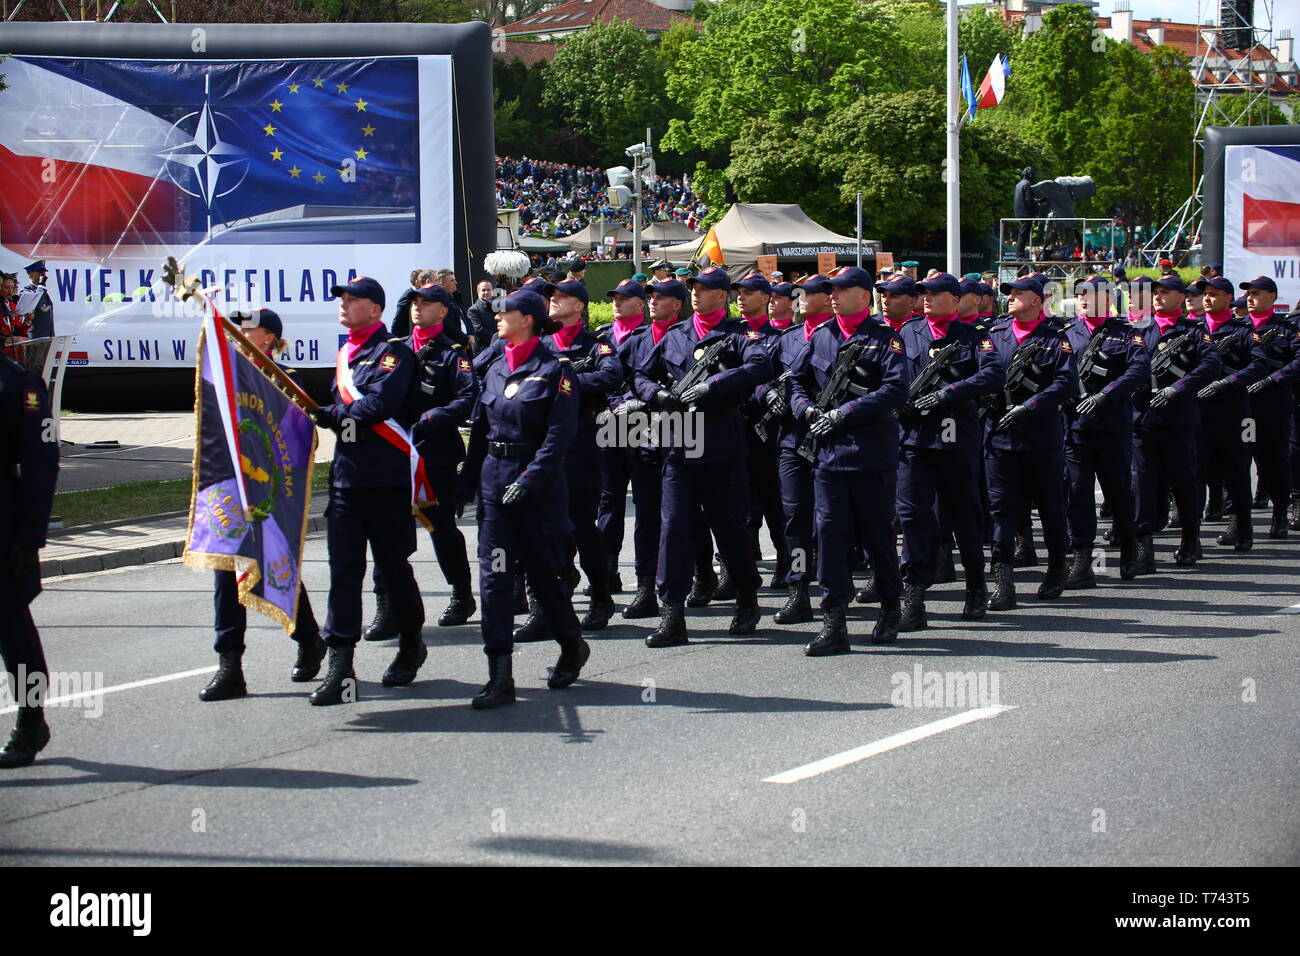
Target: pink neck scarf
1217, 320
420, 337
566, 335
812, 323
1167, 320
359, 337
1022, 332
626, 326
851, 323
939, 324
704, 324
517, 355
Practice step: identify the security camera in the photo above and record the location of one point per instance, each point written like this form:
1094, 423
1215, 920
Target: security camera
636, 150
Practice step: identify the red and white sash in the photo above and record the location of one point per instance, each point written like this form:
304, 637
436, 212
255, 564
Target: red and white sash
391, 432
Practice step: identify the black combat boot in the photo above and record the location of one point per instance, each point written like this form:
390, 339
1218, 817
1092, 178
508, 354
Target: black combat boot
1053, 585
1025, 556
887, 625
1294, 521
1189, 549
1105, 510
570, 576
340, 681
726, 589
311, 651
384, 625
913, 617
1110, 536
1080, 577
615, 580
867, 594
29, 737
834, 636
672, 627
573, 655
1004, 588
1229, 537
536, 627
1277, 527
1175, 513
461, 608
797, 608
977, 595
228, 682
645, 603
1128, 558
1146, 554
945, 571
747, 614
702, 590
602, 607
500, 688
411, 653
1245, 534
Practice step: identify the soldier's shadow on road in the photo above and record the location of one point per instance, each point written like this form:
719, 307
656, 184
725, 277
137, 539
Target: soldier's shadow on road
931, 644
542, 711
236, 778
591, 851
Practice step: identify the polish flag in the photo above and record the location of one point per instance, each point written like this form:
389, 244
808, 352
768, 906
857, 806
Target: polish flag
1270, 212
994, 85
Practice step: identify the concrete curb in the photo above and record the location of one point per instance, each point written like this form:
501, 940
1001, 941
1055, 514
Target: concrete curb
126, 557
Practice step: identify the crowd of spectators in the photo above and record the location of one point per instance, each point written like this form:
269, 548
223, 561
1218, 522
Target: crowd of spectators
556, 199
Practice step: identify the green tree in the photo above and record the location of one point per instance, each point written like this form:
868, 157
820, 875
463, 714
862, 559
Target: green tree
608, 82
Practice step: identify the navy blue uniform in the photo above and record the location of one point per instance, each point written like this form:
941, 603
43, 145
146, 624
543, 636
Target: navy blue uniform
764, 481
856, 465
29, 467
1165, 439
706, 473
1099, 445
621, 464
370, 490
1278, 342
1223, 455
529, 418
1026, 461
583, 462
793, 470
938, 473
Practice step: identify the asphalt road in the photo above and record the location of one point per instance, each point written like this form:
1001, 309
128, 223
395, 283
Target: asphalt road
1150, 722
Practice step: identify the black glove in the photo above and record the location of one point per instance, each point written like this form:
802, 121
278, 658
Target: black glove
667, 401
631, 405
1090, 404
514, 494
321, 418
1259, 386
695, 393
463, 497
23, 561
811, 414
1163, 397
930, 401
1214, 388
825, 424
1014, 414
775, 401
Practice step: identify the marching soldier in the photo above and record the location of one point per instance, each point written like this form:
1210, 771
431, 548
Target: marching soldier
939, 464
794, 471
780, 308
1024, 458
1225, 407
846, 386
721, 362
1183, 361
1271, 400
1113, 365
370, 490
29, 467
263, 328
753, 293
528, 410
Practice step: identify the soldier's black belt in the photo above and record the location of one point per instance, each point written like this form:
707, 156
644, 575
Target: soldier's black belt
511, 449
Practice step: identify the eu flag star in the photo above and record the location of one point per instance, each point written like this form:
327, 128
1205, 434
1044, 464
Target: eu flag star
361, 153
269, 129
275, 106
343, 87
319, 177
293, 173
367, 130
293, 87
360, 105
276, 154
318, 83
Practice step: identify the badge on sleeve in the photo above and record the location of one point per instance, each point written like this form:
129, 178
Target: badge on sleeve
1137, 338
1065, 346
751, 334
465, 365
388, 362
895, 346
1255, 337
604, 349
566, 385
31, 400
1208, 340
986, 345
